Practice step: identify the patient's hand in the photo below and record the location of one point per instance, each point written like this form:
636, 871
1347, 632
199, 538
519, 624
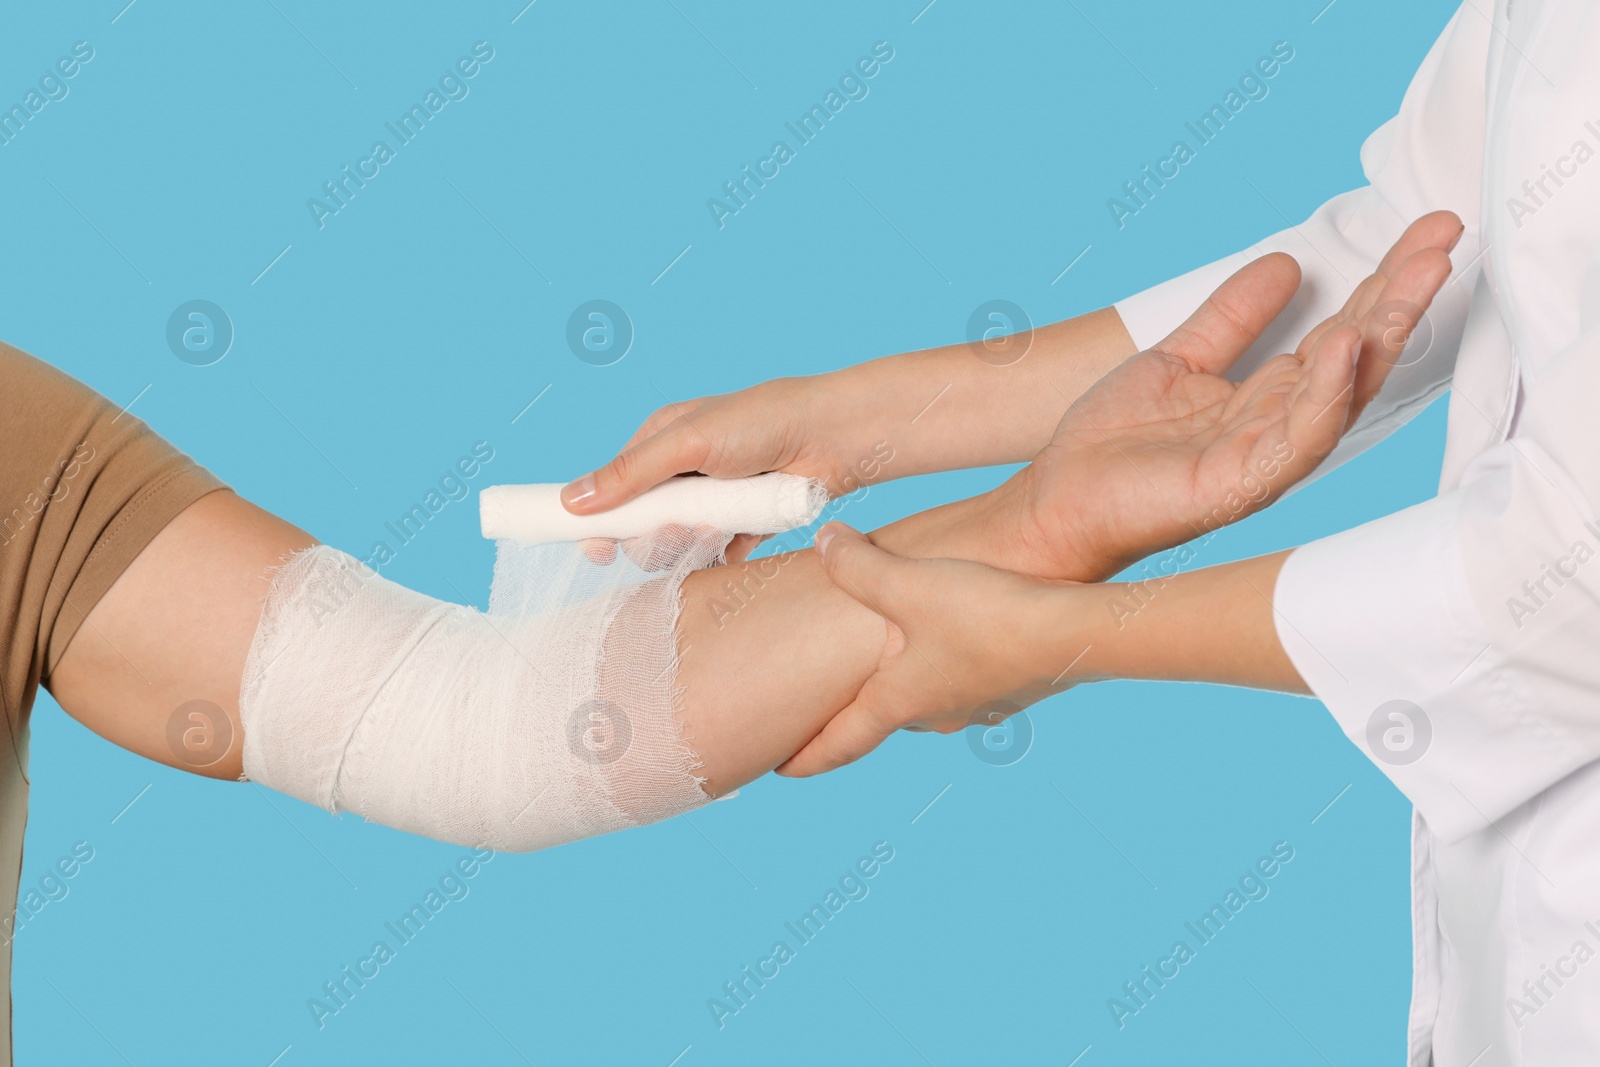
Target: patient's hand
1164, 448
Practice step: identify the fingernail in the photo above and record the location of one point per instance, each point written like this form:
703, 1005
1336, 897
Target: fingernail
1457, 238
579, 491
825, 535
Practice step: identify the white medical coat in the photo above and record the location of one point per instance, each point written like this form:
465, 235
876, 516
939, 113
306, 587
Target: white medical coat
1469, 625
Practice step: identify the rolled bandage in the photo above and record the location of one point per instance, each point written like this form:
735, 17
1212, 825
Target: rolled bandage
765, 504
551, 717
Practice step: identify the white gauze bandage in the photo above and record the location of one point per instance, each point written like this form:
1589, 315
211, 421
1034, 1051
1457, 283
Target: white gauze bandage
549, 718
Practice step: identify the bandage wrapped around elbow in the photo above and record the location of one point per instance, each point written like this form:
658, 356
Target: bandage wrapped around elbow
552, 717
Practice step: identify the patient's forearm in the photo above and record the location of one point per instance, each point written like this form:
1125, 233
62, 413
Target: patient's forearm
760, 677
772, 649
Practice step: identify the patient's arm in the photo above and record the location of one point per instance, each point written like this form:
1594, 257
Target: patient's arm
175, 629
177, 626
766, 665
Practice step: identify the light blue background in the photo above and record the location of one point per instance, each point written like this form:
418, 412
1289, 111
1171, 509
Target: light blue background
378, 349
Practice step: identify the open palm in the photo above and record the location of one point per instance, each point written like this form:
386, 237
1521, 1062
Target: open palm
1165, 448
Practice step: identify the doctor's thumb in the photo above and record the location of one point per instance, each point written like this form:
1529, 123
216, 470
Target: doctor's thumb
862, 569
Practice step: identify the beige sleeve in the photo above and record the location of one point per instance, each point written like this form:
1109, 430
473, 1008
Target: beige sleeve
84, 486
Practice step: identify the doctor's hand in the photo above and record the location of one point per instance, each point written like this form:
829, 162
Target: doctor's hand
1165, 448
972, 404
793, 425
967, 645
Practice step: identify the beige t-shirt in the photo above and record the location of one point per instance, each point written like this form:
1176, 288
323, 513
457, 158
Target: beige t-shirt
84, 487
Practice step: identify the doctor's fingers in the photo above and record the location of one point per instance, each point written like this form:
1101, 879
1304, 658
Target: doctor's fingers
678, 447
861, 727
1396, 314
662, 549
601, 551
742, 545
1225, 326
1320, 402
662, 417
905, 694
882, 581
926, 609
1438, 230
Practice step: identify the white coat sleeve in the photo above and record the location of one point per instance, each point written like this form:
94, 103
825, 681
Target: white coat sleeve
1422, 160
1458, 642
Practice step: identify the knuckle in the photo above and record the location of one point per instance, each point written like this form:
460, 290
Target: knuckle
624, 469
696, 451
